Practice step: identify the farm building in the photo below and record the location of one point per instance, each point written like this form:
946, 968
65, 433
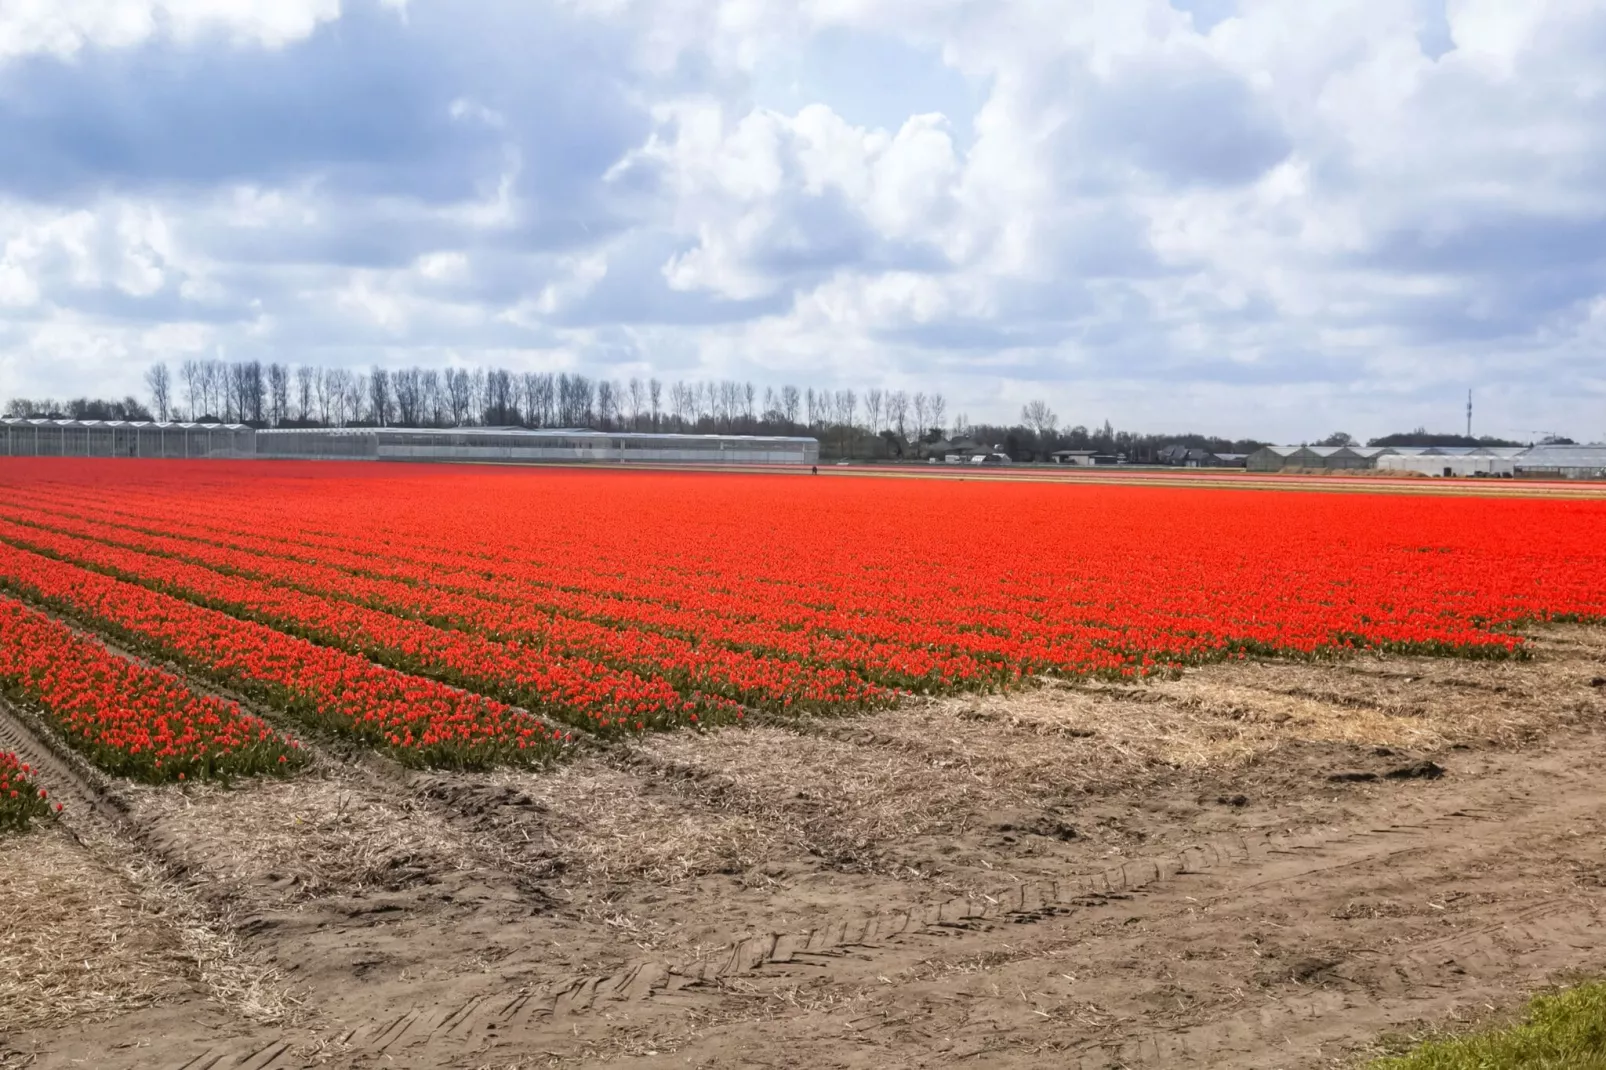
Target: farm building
1533, 462
1336, 458
122, 438
514, 444
1563, 462
1194, 457
1458, 461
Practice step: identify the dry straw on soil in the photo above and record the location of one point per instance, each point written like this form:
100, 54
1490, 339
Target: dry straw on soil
326, 833
611, 826
857, 792
77, 942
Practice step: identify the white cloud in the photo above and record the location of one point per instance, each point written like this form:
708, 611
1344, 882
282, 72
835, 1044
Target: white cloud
1300, 210
63, 28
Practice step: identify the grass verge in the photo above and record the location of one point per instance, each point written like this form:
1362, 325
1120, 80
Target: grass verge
1565, 1031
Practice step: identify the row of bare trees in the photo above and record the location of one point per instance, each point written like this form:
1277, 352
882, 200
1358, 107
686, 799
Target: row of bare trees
277, 395
874, 423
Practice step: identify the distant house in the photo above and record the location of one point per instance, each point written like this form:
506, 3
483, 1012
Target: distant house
1073, 457
947, 449
1193, 457
1176, 456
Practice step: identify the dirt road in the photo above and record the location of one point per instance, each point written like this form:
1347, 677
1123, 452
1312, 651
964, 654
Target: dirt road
884, 894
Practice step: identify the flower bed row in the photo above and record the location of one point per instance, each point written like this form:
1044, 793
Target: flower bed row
129, 719
754, 664
750, 650
920, 628
419, 721
572, 689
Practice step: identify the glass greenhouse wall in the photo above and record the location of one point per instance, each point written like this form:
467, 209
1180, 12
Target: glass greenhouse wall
116, 438
113, 438
515, 444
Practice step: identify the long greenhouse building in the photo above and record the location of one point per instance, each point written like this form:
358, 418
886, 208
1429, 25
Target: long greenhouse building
508, 445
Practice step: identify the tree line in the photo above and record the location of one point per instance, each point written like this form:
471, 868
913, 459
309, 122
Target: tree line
283, 395
874, 423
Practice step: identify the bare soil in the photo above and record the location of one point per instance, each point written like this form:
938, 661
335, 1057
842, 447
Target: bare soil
1259, 864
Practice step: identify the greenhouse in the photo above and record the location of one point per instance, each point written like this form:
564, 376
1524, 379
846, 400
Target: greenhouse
513, 445
123, 438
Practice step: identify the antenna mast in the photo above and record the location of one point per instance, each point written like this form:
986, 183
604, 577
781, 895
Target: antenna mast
1469, 413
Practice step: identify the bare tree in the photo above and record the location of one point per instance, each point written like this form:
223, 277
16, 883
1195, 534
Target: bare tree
898, 412
679, 403
323, 386
358, 392
872, 409
606, 404
730, 402
256, 390
1039, 417
214, 389
790, 398
576, 400
160, 383
847, 408
304, 392
431, 398
499, 407
529, 397
702, 401
337, 384
477, 400
190, 371
546, 399
459, 395
407, 388
237, 394
918, 403
278, 393
937, 409
636, 401
379, 396
655, 391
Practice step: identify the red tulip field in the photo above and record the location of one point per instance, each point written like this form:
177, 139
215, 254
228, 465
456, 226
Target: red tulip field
628, 602
582, 723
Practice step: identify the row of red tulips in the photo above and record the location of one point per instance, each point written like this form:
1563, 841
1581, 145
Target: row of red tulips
573, 689
418, 721
582, 672
129, 719
762, 653
754, 663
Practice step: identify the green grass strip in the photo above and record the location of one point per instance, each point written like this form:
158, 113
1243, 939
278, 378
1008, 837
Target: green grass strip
1566, 1031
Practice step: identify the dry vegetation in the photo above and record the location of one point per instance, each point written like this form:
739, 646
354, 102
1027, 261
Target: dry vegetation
331, 831
78, 942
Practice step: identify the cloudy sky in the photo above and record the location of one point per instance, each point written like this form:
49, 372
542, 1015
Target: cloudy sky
1241, 216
